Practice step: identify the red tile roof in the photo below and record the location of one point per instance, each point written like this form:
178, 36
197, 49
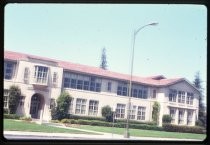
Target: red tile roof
96, 71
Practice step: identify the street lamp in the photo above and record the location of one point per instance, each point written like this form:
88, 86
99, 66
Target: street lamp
126, 134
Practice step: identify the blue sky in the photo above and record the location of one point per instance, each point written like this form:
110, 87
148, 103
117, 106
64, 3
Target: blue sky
176, 47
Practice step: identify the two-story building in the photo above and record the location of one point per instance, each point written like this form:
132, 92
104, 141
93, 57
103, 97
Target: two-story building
41, 81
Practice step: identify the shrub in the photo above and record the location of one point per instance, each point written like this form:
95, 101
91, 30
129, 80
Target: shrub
14, 96
187, 129
65, 120
135, 122
76, 117
6, 111
107, 113
166, 118
155, 112
61, 110
11, 116
55, 121
25, 118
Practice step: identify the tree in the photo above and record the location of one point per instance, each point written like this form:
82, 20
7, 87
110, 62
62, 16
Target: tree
103, 64
61, 110
155, 112
14, 97
107, 113
201, 114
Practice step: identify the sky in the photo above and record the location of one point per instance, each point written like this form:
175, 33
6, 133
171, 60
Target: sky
176, 47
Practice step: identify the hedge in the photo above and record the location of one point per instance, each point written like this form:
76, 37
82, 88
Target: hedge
11, 116
135, 122
70, 116
186, 129
110, 124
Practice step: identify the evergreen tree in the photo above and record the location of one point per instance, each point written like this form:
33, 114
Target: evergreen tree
103, 64
201, 114
14, 97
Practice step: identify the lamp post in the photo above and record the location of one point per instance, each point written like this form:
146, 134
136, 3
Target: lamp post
126, 134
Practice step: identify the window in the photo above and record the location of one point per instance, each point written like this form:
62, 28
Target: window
189, 99
135, 91
40, 74
67, 80
109, 86
172, 95
122, 89
8, 70
71, 106
172, 114
140, 94
80, 106
22, 100
55, 78
132, 112
154, 94
181, 117
86, 85
82, 82
79, 84
120, 111
141, 113
73, 83
6, 98
119, 90
26, 75
52, 103
98, 87
93, 107
189, 117
145, 94
181, 97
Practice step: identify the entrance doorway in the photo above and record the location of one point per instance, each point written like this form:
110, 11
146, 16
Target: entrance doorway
36, 105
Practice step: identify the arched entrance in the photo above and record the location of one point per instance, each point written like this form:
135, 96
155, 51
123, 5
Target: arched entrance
37, 101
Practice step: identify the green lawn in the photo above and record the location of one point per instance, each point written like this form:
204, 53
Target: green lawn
145, 133
13, 125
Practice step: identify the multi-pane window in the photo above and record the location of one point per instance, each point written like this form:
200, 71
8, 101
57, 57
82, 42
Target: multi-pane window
172, 95
144, 94
8, 70
122, 89
6, 98
141, 113
81, 82
26, 75
135, 92
93, 107
154, 94
181, 117
189, 99
172, 114
41, 74
132, 112
55, 78
109, 86
189, 117
181, 97
71, 106
22, 100
80, 106
120, 111
52, 103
